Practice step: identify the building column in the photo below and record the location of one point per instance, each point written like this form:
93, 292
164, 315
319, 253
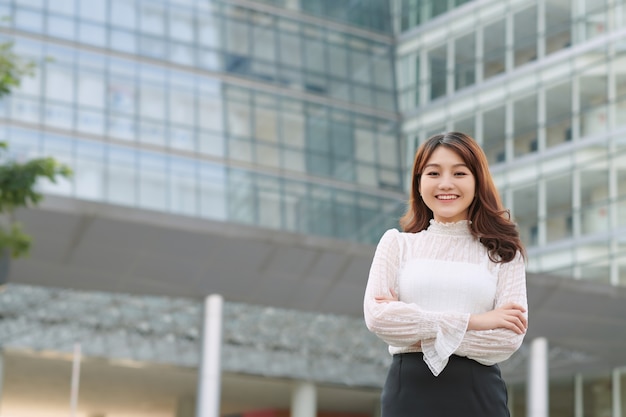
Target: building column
617, 393
579, 409
537, 401
541, 29
304, 400
209, 372
509, 41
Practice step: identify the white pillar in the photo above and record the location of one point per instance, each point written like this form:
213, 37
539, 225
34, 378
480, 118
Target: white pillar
617, 393
75, 381
537, 401
541, 29
304, 400
579, 409
209, 373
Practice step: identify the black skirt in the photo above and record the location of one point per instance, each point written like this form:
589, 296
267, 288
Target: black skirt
464, 388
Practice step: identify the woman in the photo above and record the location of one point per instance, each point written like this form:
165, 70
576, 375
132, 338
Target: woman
449, 293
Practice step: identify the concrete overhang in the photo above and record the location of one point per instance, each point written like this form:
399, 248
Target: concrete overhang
93, 246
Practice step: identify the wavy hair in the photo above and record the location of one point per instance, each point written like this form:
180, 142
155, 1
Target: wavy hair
490, 222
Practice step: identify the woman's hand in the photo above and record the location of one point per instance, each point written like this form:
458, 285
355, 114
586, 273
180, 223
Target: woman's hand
387, 298
509, 316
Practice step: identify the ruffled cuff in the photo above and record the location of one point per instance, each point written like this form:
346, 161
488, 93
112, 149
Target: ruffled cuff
437, 351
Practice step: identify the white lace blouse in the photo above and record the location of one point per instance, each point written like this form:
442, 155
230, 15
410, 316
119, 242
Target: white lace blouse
441, 275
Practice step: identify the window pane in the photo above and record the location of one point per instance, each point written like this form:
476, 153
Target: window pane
558, 115
594, 198
437, 62
493, 136
494, 49
525, 210
121, 176
153, 178
89, 170
91, 90
59, 83
123, 13
525, 126
525, 36
559, 221
465, 61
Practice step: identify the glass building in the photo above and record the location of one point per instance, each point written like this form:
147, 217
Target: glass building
289, 124
542, 85
212, 109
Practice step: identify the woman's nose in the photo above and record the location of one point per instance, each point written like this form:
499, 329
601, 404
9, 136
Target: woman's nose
445, 183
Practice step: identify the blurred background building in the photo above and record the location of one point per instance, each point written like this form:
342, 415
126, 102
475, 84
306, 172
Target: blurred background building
258, 150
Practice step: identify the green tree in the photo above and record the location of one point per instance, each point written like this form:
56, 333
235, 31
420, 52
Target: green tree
18, 179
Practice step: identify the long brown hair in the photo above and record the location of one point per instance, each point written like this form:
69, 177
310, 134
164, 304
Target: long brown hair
490, 222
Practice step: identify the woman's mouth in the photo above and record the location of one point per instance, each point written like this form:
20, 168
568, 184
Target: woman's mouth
447, 197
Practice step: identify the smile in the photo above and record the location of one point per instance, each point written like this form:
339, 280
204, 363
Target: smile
447, 197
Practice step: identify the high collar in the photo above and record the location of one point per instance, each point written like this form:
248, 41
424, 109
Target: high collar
460, 228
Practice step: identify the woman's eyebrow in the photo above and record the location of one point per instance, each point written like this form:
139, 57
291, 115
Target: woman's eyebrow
439, 166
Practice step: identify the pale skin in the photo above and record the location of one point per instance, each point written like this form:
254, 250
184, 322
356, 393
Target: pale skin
447, 187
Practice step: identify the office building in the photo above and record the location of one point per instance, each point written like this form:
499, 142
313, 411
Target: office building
258, 150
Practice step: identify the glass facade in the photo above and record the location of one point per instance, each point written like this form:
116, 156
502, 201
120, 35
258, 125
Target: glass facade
373, 15
541, 85
413, 13
211, 109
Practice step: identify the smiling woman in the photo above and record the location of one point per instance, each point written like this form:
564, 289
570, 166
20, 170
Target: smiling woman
447, 186
449, 293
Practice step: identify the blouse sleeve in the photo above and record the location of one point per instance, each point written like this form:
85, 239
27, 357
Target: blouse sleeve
492, 346
402, 324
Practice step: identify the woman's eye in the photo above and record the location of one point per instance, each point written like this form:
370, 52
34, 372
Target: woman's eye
432, 174
460, 174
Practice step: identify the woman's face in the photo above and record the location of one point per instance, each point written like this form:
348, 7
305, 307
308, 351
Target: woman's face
447, 186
